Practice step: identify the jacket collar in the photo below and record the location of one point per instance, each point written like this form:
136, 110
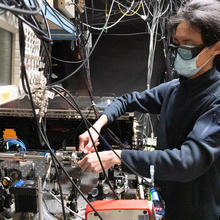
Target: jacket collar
200, 82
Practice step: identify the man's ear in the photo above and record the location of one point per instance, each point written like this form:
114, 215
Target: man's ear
217, 48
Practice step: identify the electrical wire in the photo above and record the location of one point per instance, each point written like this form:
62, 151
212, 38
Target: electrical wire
114, 24
134, 12
68, 209
57, 14
57, 176
97, 9
22, 52
67, 175
133, 170
22, 46
125, 35
76, 107
29, 92
18, 10
91, 51
37, 31
128, 19
66, 61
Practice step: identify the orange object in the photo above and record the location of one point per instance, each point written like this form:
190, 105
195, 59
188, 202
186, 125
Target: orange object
121, 209
9, 133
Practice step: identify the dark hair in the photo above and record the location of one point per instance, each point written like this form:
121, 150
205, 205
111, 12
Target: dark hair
203, 14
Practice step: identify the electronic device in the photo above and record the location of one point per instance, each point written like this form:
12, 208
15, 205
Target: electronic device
25, 192
121, 209
10, 58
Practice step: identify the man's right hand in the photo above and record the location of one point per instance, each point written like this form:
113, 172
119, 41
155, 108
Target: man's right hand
85, 141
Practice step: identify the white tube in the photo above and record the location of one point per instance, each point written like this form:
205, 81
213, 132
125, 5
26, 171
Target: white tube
40, 199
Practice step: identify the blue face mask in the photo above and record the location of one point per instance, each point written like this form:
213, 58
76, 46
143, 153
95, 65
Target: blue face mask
187, 68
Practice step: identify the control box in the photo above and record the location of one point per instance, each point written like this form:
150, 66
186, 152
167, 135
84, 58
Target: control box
121, 209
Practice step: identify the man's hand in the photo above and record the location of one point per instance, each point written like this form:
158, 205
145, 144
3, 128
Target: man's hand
90, 163
85, 142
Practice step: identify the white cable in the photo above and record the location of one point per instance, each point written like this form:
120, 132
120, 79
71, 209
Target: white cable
124, 6
68, 209
95, 28
149, 12
47, 175
157, 13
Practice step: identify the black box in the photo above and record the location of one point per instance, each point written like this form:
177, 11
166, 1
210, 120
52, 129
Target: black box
25, 192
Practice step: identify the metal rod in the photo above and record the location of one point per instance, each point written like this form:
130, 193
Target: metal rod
40, 199
140, 188
21, 157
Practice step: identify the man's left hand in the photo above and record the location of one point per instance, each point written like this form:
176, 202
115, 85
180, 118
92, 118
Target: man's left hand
90, 163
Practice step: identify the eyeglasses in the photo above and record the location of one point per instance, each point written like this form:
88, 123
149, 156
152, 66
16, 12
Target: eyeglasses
187, 52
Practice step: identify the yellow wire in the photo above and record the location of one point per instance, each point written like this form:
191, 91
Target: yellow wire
106, 12
139, 5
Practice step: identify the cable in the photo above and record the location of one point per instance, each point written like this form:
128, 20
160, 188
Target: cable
97, 9
37, 126
129, 19
102, 138
111, 26
125, 35
91, 51
87, 115
37, 31
57, 17
66, 61
85, 122
57, 176
18, 10
22, 51
68, 176
70, 210
133, 13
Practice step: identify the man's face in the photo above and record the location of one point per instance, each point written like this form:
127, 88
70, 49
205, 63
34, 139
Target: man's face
187, 34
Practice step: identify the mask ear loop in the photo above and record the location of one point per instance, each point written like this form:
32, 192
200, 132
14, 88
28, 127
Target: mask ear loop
207, 61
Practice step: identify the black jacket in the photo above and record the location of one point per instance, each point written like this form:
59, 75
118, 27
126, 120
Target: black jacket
187, 159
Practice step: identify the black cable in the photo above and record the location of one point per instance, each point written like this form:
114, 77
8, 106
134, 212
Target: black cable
85, 122
91, 51
48, 53
132, 169
58, 178
47, 58
37, 31
22, 46
22, 52
60, 165
92, 12
18, 10
48, 208
68, 176
125, 35
57, 16
80, 124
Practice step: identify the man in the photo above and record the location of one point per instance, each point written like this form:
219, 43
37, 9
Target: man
187, 159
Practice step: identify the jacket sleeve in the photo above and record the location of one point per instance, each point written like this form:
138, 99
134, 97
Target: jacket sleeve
148, 101
196, 155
